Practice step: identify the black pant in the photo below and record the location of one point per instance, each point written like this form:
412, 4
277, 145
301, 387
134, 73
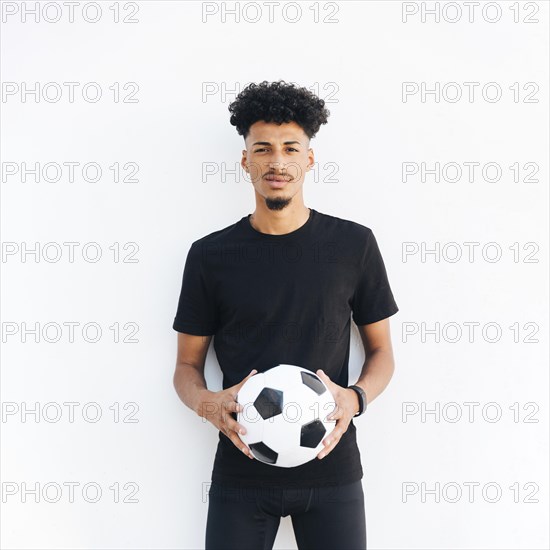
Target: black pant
331, 517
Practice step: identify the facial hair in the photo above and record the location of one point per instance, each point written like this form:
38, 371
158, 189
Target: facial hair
277, 203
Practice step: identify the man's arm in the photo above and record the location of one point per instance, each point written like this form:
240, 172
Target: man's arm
375, 375
189, 380
190, 385
379, 363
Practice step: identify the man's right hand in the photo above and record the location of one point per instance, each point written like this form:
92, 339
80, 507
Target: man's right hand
216, 407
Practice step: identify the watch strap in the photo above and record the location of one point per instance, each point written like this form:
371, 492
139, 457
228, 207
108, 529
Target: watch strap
362, 398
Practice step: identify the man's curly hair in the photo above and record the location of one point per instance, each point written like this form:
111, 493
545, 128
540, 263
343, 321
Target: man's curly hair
278, 102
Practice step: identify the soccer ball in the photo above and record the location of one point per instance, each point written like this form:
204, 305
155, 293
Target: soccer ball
284, 413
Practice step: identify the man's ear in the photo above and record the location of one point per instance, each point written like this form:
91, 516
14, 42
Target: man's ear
310, 166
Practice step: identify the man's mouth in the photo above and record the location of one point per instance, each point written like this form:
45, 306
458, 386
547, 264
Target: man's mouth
272, 177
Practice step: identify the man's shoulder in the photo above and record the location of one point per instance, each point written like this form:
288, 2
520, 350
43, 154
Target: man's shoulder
344, 226
328, 225
220, 236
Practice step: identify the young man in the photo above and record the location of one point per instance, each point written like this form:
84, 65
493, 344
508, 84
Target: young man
281, 286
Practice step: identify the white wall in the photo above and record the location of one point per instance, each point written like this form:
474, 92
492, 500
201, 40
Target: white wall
358, 63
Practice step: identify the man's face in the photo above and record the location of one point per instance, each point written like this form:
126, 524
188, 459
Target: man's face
277, 157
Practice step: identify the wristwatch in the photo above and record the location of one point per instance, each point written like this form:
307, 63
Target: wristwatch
362, 399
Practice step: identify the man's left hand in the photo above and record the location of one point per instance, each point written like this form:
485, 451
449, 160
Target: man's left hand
347, 405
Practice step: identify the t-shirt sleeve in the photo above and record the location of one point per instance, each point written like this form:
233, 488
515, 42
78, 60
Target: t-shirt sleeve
196, 312
373, 299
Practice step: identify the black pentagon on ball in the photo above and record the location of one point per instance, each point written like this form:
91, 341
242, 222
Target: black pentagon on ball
312, 433
263, 452
314, 382
269, 403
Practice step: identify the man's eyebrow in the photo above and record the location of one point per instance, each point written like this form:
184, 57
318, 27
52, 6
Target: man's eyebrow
268, 143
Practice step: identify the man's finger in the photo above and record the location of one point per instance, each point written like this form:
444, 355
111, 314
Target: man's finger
324, 377
251, 373
239, 444
335, 413
234, 426
232, 406
235, 389
333, 437
232, 429
331, 442
336, 434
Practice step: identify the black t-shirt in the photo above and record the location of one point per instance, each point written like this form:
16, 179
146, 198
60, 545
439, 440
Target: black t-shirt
272, 299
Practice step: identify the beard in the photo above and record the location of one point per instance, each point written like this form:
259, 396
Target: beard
277, 203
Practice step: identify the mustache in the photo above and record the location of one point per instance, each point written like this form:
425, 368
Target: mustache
281, 175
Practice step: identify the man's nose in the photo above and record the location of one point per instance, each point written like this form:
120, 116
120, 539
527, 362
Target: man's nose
277, 164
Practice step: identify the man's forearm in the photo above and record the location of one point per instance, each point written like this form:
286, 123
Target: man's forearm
190, 386
376, 373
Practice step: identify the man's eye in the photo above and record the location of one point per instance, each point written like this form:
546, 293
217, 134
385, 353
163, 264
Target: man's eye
265, 149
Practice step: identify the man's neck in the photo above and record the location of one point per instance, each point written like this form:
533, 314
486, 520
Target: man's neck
279, 222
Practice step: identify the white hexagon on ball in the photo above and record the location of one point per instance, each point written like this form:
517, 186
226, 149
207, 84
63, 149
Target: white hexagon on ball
285, 410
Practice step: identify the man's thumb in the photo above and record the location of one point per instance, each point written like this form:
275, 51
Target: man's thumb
251, 373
